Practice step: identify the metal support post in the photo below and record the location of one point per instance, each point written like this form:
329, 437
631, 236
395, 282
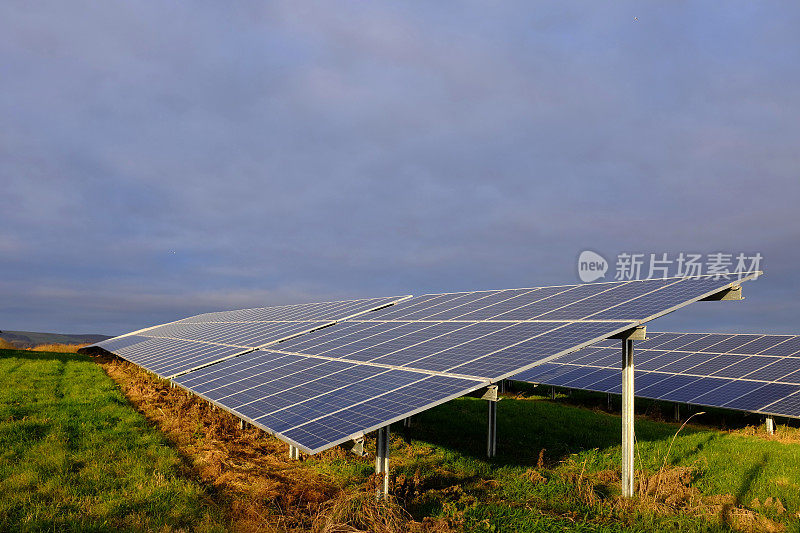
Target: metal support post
627, 419
552, 393
407, 422
770, 423
491, 434
294, 452
382, 462
491, 398
677, 412
608, 401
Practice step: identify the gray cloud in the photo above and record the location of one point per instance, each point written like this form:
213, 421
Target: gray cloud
158, 161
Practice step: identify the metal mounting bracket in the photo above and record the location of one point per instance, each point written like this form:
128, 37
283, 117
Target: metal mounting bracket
639, 333
491, 394
358, 447
733, 293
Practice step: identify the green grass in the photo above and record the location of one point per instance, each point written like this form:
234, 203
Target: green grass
76, 456
447, 449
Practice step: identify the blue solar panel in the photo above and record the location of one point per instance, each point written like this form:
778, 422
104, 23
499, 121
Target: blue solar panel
381, 342
731, 344
452, 304
683, 364
558, 298
704, 343
168, 357
596, 303
643, 380
656, 302
510, 360
506, 298
762, 396
657, 360
612, 359
777, 369
665, 386
338, 399
764, 342
612, 384
734, 381
484, 338
325, 311
744, 367
590, 356
586, 380
788, 406
726, 393
544, 373
789, 347
711, 364
669, 341
691, 390
337, 335
226, 372
793, 377
494, 311
339, 426
419, 351
191, 343
571, 373
322, 387
250, 335
416, 304
118, 343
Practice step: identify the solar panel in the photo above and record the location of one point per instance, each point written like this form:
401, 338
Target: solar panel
316, 402
331, 371
169, 350
717, 370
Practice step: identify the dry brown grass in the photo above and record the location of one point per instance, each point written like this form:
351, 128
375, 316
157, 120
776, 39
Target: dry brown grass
249, 472
58, 348
669, 491
359, 511
783, 434
5, 345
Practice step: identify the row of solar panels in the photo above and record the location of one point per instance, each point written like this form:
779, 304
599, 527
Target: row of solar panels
319, 374
746, 372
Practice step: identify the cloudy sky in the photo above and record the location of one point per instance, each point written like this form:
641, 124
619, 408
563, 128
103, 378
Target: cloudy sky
163, 159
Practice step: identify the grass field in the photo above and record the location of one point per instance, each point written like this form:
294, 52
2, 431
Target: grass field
77, 455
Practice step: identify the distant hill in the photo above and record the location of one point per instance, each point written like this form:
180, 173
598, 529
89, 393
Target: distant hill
28, 339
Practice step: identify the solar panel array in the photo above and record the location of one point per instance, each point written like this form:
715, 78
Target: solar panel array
178, 347
746, 372
324, 387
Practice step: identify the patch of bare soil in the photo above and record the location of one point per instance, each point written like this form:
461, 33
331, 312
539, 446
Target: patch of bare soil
250, 473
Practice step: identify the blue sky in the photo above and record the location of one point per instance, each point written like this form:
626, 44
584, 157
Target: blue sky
159, 160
